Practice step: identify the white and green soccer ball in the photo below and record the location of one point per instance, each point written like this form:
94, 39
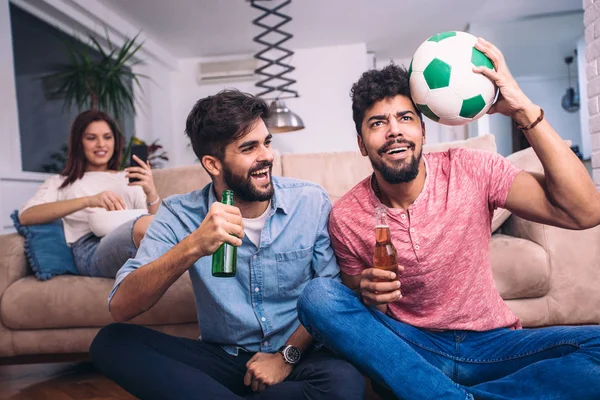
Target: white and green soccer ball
442, 82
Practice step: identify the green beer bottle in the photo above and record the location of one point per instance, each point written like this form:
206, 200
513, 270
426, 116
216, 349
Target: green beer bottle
224, 260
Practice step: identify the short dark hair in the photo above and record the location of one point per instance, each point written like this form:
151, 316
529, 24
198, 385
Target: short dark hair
216, 121
375, 85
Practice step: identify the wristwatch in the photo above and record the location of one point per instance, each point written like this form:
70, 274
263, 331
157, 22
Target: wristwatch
291, 354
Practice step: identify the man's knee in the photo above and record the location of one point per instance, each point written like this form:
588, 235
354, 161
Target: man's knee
316, 294
318, 299
108, 338
343, 381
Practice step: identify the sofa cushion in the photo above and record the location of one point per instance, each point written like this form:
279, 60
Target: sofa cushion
343, 170
346, 169
485, 142
521, 267
78, 301
46, 248
180, 180
75, 340
526, 160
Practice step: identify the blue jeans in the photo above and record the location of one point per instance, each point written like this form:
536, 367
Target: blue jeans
153, 365
103, 257
546, 363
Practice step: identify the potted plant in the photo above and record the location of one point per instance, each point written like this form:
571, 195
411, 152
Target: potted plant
102, 81
105, 82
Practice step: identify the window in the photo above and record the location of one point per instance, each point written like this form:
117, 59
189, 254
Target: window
44, 122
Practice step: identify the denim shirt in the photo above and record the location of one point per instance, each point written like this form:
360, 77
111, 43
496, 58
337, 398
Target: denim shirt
256, 309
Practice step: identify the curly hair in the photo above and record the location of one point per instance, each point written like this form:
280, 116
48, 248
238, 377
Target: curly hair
375, 85
216, 121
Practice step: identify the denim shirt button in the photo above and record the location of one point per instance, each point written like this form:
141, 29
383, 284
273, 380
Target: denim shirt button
263, 319
256, 290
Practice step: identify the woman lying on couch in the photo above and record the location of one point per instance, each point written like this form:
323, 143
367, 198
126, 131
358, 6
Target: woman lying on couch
90, 185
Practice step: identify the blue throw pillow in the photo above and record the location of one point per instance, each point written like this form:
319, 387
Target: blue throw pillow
46, 248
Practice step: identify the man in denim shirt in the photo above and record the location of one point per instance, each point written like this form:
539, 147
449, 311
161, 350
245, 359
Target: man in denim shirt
252, 343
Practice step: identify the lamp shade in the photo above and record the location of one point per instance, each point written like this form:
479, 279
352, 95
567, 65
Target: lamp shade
282, 119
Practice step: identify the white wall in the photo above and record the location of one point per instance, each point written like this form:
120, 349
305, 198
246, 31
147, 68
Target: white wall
154, 119
584, 113
501, 128
324, 76
534, 50
186, 92
547, 93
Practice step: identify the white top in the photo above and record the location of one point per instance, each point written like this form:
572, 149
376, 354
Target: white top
76, 224
253, 226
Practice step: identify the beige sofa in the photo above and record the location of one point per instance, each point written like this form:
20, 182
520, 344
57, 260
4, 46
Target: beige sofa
546, 275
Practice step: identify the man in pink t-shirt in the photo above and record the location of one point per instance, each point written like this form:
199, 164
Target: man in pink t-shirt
437, 328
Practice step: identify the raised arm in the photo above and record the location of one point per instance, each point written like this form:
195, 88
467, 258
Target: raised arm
144, 286
145, 179
565, 195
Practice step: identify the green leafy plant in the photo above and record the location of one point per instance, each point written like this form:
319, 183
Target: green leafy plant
157, 155
99, 83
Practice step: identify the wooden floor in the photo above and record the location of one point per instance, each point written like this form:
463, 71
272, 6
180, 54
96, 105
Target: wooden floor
65, 381
59, 381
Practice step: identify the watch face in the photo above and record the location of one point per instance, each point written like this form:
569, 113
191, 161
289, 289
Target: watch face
292, 354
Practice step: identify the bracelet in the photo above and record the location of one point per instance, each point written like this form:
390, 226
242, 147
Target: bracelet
151, 203
534, 123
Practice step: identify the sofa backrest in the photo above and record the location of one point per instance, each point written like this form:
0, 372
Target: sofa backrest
339, 172
336, 172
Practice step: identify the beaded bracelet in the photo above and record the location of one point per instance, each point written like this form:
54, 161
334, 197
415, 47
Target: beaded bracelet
534, 123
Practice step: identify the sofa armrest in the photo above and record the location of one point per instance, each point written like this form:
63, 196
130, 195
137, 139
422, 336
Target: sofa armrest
13, 264
574, 263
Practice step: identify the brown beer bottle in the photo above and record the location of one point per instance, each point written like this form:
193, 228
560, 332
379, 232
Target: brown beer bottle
385, 255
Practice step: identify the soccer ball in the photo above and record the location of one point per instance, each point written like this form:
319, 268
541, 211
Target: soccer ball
442, 82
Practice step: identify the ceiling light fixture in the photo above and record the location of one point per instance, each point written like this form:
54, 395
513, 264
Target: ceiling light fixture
274, 68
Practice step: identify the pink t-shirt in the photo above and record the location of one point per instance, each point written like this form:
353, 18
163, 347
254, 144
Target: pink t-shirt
442, 241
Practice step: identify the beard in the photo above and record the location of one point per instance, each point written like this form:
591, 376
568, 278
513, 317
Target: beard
243, 187
398, 171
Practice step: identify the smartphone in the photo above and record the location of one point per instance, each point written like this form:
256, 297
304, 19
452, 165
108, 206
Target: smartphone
140, 150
